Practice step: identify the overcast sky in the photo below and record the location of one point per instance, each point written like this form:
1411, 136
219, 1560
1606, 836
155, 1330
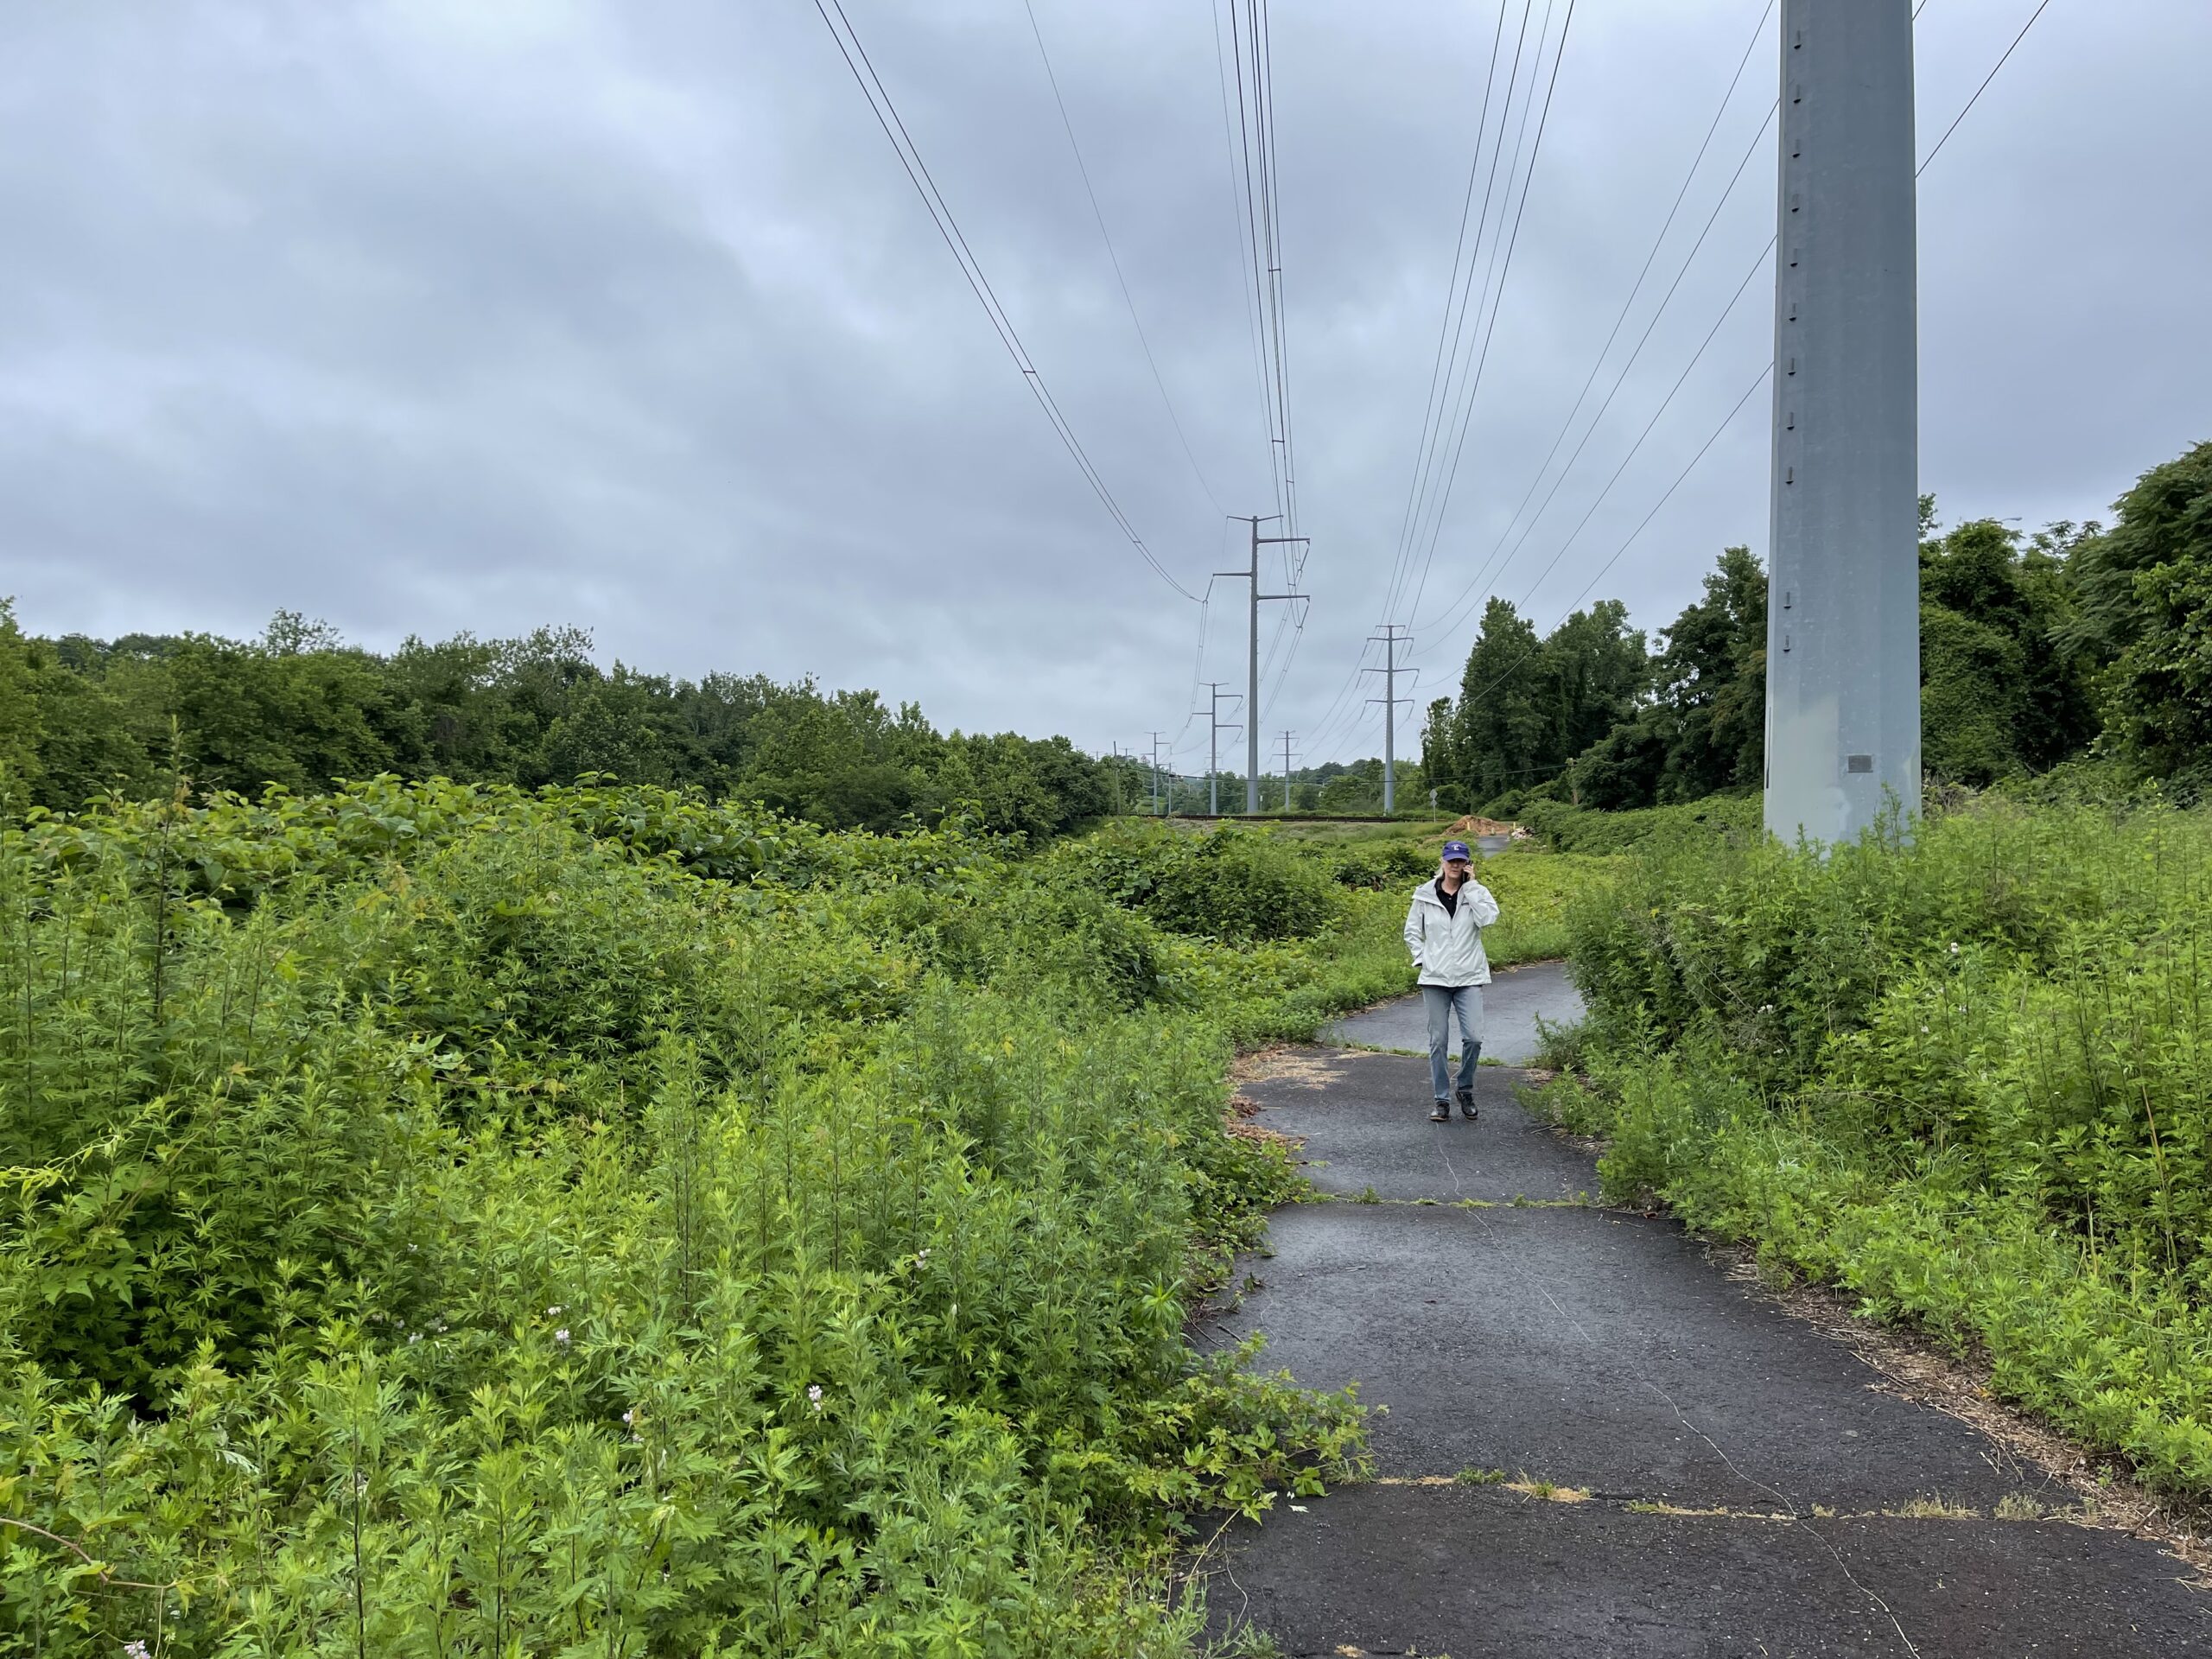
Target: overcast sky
426, 315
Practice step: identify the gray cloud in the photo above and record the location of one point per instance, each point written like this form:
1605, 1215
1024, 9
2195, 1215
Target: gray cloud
423, 317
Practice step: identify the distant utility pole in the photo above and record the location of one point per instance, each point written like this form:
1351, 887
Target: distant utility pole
1156, 736
1286, 772
1216, 726
1252, 661
1843, 611
1390, 638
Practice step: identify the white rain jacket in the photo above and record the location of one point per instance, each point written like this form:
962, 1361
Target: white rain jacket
1448, 945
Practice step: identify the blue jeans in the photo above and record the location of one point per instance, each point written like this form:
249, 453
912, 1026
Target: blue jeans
1440, 1000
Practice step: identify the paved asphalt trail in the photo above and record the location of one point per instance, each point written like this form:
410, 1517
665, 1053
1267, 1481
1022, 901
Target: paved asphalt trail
1601, 1351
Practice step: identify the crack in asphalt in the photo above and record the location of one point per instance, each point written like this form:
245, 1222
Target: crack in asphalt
1598, 1348
1529, 1279
1355, 1284
1525, 1486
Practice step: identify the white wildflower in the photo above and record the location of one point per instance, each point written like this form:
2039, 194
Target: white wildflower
553, 1312
561, 1336
135, 1650
814, 1394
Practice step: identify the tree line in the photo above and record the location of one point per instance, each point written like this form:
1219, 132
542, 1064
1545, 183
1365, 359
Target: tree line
299, 707
2074, 642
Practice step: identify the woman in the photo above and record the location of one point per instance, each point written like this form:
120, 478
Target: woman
1444, 930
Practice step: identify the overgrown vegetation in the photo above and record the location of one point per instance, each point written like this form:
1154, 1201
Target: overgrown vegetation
454, 1220
1588, 830
1968, 1076
1202, 888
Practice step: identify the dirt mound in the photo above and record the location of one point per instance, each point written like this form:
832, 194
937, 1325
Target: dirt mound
1474, 826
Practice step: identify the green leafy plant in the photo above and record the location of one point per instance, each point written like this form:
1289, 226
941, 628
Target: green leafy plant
464, 1220
1962, 1075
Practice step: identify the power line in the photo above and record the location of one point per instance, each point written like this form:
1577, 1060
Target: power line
1295, 551
1497, 304
1198, 656
1727, 311
1437, 406
1106, 237
1726, 421
1493, 565
1251, 40
910, 157
1446, 361
1263, 103
1599, 574
1451, 328
1627, 305
1405, 529
1708, 341
1329, 721
1236, 201
1258, 267
1979, 90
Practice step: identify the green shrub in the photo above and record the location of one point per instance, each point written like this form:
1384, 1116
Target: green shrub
454, 1221
1232, 884
1383, 865
1585, 829
1964, 1075
431, 1211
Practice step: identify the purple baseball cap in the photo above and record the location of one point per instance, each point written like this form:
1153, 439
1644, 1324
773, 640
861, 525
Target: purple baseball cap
1456, 849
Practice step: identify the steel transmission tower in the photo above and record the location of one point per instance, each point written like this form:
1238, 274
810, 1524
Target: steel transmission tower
1843, 588
1216, 725
1390, 638
1252, 663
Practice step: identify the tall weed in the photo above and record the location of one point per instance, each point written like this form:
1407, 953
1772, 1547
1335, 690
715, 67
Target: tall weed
1966, 1075
469, 1222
